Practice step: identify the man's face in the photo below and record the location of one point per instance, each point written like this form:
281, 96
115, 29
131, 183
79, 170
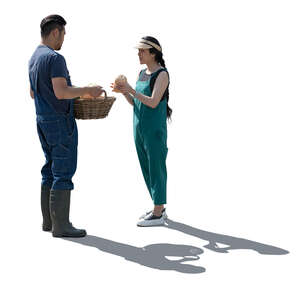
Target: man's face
59, 38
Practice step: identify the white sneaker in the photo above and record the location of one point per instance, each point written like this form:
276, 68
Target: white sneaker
164, 214
151, 220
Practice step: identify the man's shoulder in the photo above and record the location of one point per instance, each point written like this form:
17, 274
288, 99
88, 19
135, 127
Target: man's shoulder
57, 55
57, 58
54, 56
48, 53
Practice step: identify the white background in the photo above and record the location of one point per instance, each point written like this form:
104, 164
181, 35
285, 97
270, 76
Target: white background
233, 161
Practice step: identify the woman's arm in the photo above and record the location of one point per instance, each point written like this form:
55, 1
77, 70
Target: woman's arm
129, 98
160, 87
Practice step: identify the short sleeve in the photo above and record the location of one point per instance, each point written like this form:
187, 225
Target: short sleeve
58, 67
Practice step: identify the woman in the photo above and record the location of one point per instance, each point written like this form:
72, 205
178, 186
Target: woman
151, 110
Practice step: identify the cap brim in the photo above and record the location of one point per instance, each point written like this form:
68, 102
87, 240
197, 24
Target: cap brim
143, 46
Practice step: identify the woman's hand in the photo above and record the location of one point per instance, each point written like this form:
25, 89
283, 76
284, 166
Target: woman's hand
122, 88
114, 87
126, 88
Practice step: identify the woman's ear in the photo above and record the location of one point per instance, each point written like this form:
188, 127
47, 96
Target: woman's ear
152, 55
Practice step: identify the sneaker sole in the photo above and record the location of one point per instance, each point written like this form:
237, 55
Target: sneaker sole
153, 223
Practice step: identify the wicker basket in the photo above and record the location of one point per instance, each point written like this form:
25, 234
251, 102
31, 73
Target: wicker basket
97, 108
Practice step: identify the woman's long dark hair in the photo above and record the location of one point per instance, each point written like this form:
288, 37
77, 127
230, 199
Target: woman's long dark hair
159, 59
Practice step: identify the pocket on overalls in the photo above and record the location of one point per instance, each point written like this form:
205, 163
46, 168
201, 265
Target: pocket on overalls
51, 131
64, 160
71, 125
68, 131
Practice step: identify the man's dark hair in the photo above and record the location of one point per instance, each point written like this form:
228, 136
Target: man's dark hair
50, 23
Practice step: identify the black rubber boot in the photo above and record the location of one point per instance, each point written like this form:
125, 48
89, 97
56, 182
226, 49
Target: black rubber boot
60, 209
45, 195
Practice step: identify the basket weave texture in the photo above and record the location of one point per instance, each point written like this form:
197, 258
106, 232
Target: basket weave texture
97, 108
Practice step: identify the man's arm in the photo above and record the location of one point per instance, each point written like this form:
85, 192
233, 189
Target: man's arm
31, 93
63, 91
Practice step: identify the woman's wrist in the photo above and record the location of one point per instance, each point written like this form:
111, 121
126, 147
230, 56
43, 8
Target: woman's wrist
134, 93
128, 95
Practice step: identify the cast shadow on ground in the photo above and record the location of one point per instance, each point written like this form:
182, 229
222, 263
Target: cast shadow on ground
226, 243
177, 257
153, 256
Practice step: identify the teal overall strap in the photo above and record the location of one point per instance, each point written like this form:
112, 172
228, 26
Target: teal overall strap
141, 73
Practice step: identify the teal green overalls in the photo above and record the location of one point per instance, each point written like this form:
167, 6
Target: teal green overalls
150, 135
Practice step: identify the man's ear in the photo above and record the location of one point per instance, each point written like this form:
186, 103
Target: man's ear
55, 32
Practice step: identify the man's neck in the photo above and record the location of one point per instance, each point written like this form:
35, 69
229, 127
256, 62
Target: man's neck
48, 43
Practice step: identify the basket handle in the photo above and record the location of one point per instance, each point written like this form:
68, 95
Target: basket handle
105, 94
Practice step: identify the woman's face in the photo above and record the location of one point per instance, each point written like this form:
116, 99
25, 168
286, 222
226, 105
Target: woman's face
145, 56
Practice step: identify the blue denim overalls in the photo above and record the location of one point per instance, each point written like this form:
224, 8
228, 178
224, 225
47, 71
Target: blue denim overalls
59, 139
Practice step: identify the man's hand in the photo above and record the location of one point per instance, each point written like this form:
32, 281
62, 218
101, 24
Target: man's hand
95, 91
31, 93
63, 91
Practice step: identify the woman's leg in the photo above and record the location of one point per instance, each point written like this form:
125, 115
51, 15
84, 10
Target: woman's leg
143, 159
157, 153
157, 211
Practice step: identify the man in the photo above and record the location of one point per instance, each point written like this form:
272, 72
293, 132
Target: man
53, 94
